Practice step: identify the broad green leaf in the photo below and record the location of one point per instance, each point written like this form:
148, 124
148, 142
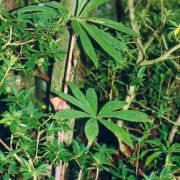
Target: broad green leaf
128, 115
92, 4
27, 175
42, 169
81, 4
70, 114
119, 132
152, 157
112, 106
1, 155
92, 98
105, 40
113, 24
91, 130
81, 98
85, 41
70, 99
51, 12
60, 8
119, 45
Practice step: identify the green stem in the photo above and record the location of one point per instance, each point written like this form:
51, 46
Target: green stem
163, 57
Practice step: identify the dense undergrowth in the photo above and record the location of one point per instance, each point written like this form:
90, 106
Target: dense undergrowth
121, 81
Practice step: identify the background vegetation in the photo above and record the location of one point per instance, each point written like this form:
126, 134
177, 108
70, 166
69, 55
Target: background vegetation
89, 89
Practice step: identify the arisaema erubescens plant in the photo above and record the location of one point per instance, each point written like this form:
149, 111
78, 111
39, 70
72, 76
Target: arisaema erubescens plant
89, 110
87, 28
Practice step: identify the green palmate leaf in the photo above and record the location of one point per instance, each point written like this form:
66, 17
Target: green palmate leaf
85, 41
92, 98
70, 114
91, 130
112, 106
113, 24
119, 132
152, 157
128, 115
81, 98
105, 40
92, 4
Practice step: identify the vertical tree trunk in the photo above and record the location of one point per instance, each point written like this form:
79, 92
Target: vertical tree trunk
58, 78
57, 81
10, 4
59, 67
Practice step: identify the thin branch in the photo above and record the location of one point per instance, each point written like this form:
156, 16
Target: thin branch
151, 39
10, 38
112, 85
22, 43
161, 58
9, 149
37, 144
174, 130
174, 123
130, 97
97, 173
135, 27
80, 174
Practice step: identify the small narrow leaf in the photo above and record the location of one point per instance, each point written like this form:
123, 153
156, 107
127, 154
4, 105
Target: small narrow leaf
85, 41
152, 157
112, 106
128, 115
92, 4
119, 132
105, 40
91, 130
92, 98
70, 114
113, 24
